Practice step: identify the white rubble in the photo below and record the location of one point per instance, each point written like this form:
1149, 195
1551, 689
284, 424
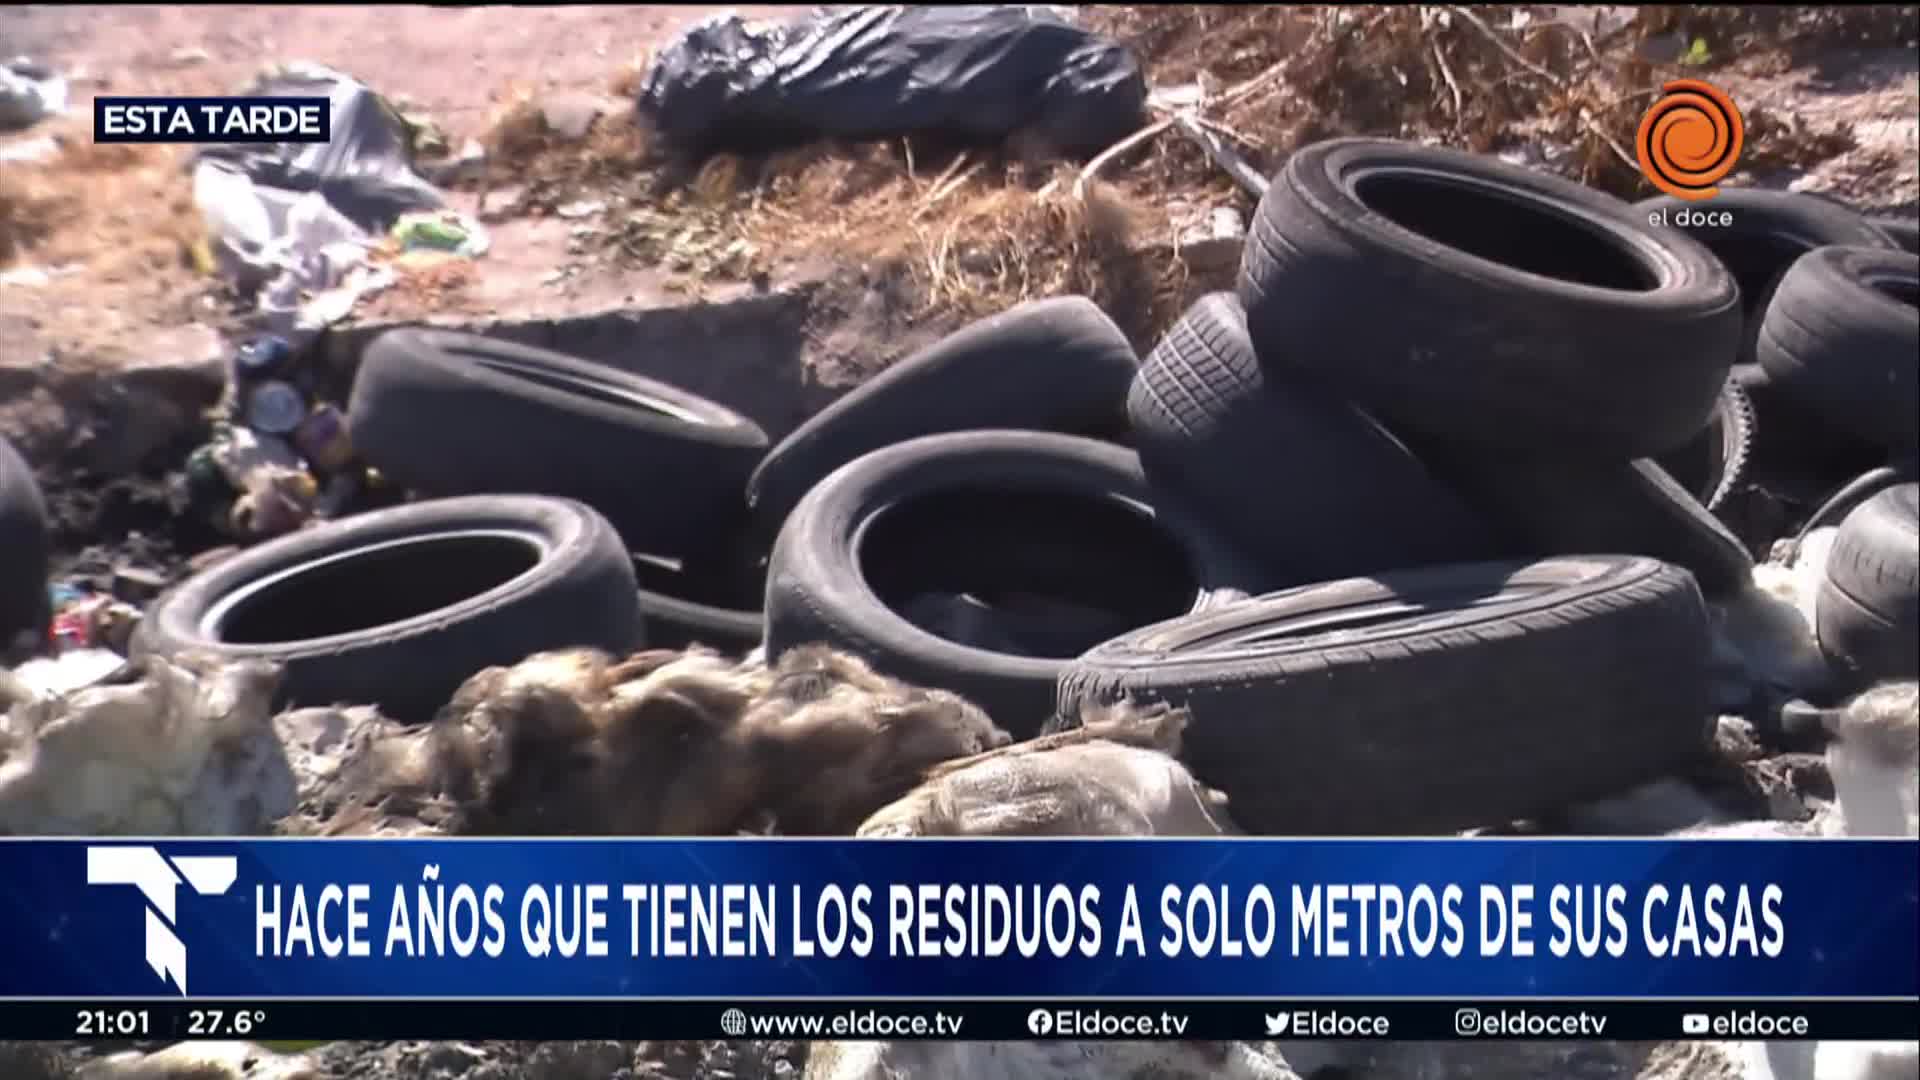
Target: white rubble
163, 749
1874, 758
75, 669
1768, 628
1116, 775
201, 1061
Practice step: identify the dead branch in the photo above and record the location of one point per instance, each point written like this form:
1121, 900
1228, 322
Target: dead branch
947, 173
1481, 25
1459, 112
1241, 137
1100, 161
1593, 125
1236, 166
1234, 95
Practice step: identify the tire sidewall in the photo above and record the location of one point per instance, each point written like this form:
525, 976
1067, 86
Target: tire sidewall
436, 353
1323, 177
1550, 583
816, 559
566, 532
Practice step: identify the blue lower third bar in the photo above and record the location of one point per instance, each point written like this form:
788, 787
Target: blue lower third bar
720, 919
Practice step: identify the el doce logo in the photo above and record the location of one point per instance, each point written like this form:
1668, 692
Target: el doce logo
1690, 139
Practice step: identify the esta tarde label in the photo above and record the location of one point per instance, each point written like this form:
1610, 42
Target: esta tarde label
211, 119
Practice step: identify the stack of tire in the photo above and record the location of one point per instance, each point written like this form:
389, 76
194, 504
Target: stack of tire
1397, 521
1831, 305
1435, 428
1434, 409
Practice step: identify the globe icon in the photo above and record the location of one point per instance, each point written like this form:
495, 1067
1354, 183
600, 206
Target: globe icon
733, 1022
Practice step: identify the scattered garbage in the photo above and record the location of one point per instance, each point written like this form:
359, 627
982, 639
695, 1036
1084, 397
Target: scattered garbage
84, 620
972, 73
295, 223
279, 456
468, 164
29, 93
364, 171
1208, 238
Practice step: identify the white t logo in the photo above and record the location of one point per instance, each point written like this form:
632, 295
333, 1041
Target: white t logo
150, 872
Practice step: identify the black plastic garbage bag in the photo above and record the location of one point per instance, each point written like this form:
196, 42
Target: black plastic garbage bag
973, 74
364, 170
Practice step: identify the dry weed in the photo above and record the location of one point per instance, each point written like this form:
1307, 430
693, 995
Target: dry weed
625, 84
436, 282
119, 211
973, 244
547, 169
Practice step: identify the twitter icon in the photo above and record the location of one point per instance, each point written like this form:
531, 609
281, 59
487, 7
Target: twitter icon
1278, 1023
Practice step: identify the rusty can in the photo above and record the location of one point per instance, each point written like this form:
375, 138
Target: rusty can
322, 439
260, 358
275, 407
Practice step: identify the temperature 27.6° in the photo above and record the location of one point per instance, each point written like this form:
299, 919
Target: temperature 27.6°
222, 1023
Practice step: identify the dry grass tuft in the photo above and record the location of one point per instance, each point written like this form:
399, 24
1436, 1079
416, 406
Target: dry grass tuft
625, 84
523, 152
120, 211
972, 244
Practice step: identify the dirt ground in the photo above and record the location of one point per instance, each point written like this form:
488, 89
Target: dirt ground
102, 253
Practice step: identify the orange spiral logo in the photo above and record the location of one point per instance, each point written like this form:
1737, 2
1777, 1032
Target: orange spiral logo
1690, 139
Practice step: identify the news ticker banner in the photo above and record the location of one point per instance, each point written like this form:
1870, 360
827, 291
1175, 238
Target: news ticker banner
739, 919
1098, 1019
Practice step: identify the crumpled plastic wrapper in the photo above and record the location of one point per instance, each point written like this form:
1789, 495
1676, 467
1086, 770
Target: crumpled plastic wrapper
1766, 632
